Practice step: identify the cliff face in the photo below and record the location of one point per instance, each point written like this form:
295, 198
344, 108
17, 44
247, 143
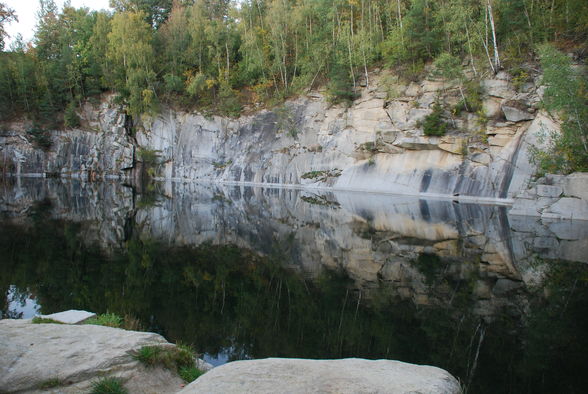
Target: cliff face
376, 144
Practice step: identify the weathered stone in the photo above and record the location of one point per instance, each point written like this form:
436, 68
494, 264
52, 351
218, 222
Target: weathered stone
507, 130
416, 143
433, 86
427, 99
482, 158
416, 115
77, 354
498, 88
499, 140
492, 107
567, 208
505, 286
413, 90
70, 317
452, 144
549, 191
371, 103
514, 111
530, 207
576, 185
276, 375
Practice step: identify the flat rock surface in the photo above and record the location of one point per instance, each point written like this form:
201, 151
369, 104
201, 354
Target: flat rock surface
76, 355
275, 375
70, 317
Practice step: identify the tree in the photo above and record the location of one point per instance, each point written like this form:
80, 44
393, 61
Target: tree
7, 15
131, 53
566, 95
155, 12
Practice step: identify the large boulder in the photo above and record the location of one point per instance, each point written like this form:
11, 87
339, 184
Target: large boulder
275, 375
74, 356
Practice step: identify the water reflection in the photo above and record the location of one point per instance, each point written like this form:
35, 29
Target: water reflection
246, 272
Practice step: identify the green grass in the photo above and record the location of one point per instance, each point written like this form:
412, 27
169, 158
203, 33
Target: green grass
50, 383
190, 374
42, 320
108, 386
179, 358
106, 319
113, 320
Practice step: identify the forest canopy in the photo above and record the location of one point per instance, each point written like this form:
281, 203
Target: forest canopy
209, 53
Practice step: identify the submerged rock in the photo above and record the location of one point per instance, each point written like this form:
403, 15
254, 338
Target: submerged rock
71, 357
276, 375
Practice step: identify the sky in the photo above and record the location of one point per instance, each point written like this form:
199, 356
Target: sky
26, 10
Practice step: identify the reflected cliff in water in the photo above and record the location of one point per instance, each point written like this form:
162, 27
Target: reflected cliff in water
244, 272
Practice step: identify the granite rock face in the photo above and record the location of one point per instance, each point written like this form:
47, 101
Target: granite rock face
376, 144
275, 375
76, 356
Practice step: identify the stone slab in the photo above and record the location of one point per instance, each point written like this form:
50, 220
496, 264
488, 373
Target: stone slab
275, 375
72, 316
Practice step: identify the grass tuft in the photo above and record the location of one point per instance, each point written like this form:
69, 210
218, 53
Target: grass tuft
190, 374
108, 386
113, 320
179, 358
50, 383
43, 320
106, 319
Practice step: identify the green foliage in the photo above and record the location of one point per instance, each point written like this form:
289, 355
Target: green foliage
434, 125
190, 374
340, 87
473, 102
106, 319
179, 358
41, 137
566, 96
110, 385
203, 52
229, 103
43, 320
70, 117
50, 383
149, 157
448, 66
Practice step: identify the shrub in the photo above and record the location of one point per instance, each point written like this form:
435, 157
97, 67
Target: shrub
340, 86
70, 117
565, 94
41, 138
108, 386
473, 98
433, 124
106, 319
229, 102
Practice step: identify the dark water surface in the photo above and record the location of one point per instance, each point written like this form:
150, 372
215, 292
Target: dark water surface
239, 272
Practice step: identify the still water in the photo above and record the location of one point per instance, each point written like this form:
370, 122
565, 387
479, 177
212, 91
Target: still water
239, 272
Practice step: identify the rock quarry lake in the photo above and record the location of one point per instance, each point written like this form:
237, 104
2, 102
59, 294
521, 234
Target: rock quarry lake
242, 272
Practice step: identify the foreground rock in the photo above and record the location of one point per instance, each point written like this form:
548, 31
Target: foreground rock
75, 356
276, 375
